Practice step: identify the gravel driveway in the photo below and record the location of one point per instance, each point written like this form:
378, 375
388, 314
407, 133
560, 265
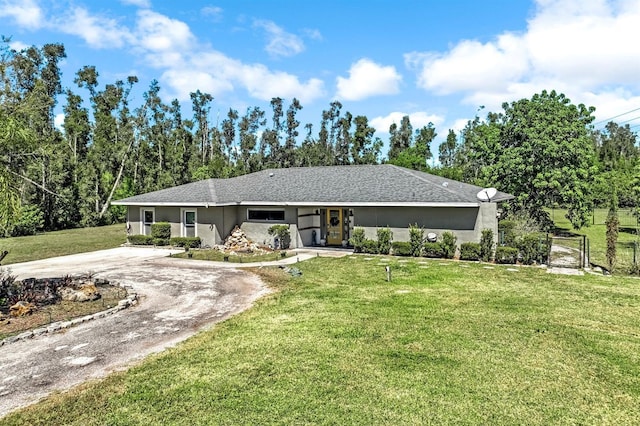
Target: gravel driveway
177, 298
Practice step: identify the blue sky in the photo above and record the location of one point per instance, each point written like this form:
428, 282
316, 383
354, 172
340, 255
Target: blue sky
435, 61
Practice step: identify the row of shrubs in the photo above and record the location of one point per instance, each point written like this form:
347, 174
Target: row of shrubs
148, 240
417, 246
161, 236
526, 249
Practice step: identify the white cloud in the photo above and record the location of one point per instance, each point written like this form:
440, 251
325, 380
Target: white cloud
366, 79
213, 12
18, 45
98, 32
281, 43
26, 13
140, 3
584, 49
418, 120
58, 121
159, 33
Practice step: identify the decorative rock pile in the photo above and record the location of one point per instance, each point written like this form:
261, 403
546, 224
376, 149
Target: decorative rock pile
239, 243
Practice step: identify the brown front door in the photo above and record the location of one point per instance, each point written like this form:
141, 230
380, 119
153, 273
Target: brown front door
334, 227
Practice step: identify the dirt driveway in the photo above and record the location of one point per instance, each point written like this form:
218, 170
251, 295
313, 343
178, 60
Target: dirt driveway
177, 298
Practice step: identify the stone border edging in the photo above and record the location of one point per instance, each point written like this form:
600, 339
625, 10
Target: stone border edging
130, 300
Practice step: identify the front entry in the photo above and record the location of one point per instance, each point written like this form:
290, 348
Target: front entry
334, 227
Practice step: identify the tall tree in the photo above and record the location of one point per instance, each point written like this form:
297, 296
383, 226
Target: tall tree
400, 137
546, 155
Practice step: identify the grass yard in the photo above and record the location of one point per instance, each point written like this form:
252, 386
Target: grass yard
61, 243
598, 241
444, 343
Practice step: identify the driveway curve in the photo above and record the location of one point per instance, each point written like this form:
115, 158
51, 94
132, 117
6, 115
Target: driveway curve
177, 298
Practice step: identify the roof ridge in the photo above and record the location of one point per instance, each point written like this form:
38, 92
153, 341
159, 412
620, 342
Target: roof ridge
411, 173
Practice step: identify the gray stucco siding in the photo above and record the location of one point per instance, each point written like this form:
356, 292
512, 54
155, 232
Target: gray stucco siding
258, 230
466, 223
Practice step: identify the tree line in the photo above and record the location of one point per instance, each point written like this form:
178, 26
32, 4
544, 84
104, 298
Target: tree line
543, 150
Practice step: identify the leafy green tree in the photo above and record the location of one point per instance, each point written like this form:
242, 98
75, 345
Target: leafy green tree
544, 154
400, 137
417, 155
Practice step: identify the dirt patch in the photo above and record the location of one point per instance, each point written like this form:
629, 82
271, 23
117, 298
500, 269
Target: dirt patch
62, 311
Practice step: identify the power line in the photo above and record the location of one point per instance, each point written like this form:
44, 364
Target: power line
616, 116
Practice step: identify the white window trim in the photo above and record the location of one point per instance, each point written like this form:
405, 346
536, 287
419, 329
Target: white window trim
142, 222
183, 225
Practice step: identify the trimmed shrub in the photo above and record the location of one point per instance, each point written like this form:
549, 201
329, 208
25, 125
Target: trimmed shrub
448, 245
190, 242
385, 236
533, 248
140, 240
160, 241
470, 251
416, 237
357, 239
370, 246
433, 250
506, 255
486, 245
281, 232
161, 230
401, 248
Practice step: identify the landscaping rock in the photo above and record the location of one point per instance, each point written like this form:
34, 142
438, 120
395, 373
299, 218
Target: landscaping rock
239, 243
85, 293
21, 309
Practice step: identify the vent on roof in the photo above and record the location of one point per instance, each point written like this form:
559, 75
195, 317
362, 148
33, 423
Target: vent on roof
271, 174
445, 184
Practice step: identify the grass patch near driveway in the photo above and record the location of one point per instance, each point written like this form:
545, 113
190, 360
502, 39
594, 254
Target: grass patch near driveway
444, 343
62, 243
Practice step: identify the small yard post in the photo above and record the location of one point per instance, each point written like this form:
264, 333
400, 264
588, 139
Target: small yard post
388, 270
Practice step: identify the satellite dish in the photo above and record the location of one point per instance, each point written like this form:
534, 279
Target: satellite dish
486, 194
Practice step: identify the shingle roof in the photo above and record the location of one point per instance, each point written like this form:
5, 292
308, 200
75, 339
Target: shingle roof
383, 184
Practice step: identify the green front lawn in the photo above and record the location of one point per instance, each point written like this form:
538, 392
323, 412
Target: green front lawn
444, 343
61, 243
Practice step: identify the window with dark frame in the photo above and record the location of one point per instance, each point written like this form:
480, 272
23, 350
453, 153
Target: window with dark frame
266, 215
148, 216
189, 218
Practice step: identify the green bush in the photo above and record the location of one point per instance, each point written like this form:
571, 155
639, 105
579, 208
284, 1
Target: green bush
191, 242
160, 241
161, 230
140, 240
416, 237
506, 228
30, 221
448, 245
370, 246
470, 251
385, 236
433, 250
506, 255
533, 248
486, 245
281, 232
357, 239
402, 248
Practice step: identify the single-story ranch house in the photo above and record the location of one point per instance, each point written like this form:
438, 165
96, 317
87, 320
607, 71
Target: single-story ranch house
321, 205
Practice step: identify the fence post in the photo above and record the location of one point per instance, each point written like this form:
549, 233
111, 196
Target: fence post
583, 251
